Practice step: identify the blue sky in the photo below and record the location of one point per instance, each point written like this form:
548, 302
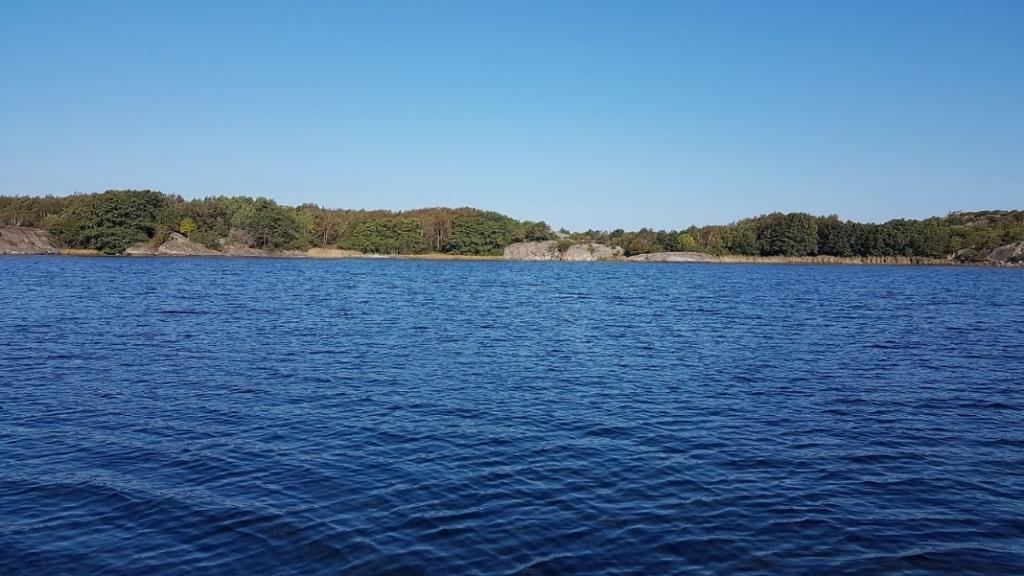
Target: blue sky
584, 114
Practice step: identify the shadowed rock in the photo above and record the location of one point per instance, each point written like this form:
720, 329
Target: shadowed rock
15, 240
235, 249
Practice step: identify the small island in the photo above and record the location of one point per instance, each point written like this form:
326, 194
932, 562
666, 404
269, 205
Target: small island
150, 223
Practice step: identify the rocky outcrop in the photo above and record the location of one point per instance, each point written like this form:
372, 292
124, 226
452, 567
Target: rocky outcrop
546, 250
16, 240
245, 251
551, 250
141, 249
175, 245
234, 249
673, 257
1009, 254
591, 252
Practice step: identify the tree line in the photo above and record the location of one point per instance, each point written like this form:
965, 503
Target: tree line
113, 220
967, 235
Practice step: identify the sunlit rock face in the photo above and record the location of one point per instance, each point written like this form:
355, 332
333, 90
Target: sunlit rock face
550, 250
175, 245
592, 251
546, 250
1009, 254
673, 257
15, 240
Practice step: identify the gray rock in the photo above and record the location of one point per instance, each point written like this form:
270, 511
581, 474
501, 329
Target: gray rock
178, 245
546, 250
673, 257
1008, 254
233, 249
141, 249
591, 252
549, 250
229, 248
175, 245
18, 240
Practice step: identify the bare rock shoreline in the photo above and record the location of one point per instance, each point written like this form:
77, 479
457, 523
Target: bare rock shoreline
676, 257
553, 250
25, 241
175, 245
33, 241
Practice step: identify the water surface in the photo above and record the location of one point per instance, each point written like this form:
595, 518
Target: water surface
217, 416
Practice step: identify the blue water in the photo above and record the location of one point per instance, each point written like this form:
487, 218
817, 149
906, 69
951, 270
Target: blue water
222, 416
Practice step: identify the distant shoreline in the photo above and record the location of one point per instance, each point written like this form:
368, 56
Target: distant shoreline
34, 241
727, 260
148, 222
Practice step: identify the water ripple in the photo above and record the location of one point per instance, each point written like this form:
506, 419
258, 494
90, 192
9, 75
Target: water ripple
397, 417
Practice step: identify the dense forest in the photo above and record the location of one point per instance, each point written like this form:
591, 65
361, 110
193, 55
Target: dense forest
967, 235
116, 219
113, 220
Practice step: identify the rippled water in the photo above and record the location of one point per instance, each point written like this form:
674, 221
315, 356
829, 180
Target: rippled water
409, 417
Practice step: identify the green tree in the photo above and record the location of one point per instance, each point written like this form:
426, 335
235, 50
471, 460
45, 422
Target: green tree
836, 238
687, 243
532, 232
740, 238
401, 235
643, 241
485, 234
794, 234
187, 226
109, 222
269, 226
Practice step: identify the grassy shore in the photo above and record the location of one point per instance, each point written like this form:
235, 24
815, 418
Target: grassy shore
853, 260
79, 252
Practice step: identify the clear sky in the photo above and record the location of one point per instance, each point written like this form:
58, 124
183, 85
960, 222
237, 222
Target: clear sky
584, 114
